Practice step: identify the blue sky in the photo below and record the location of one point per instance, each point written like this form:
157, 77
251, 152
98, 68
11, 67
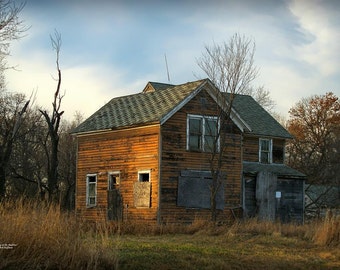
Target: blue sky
113, 48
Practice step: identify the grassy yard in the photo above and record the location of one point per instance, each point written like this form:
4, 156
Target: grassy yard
246, 251
36, 236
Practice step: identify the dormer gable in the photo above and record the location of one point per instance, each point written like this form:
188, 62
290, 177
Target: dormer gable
155, 86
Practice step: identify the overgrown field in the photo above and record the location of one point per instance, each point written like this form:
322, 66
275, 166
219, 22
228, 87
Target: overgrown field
36, 236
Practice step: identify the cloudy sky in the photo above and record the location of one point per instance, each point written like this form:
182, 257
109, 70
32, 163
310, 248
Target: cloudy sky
113, 48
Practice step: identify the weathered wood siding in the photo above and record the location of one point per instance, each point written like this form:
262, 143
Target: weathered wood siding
266, 186
176, 158
250, 205
126, 151
251, 149
291, 204
260, 198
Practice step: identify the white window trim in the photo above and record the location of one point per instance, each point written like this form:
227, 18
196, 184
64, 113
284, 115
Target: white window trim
87, 190
191, 116
108, 178
144, 171
270, 149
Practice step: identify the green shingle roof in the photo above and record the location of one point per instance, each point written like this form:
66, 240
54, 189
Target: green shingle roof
152, 106
138, 109
161, 86
257, 118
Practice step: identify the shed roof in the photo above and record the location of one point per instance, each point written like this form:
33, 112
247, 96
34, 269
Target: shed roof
281, 170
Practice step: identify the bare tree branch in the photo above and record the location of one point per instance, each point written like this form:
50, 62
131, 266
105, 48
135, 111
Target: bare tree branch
53, 122
230, 66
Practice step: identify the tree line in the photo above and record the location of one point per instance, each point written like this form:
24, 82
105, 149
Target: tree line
38, 154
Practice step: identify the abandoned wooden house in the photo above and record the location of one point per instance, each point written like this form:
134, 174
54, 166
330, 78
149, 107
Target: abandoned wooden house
144, 157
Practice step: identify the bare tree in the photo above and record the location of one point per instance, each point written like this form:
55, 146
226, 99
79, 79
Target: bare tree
262, 97
11, 28
12, 107
230, 66
12, 111
67, 165
28, 163
53, 123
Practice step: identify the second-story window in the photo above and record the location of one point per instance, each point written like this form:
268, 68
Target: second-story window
202, 133
265, 151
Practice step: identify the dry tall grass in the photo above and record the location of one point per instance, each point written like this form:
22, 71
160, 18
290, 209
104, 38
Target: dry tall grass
36, 236
328, 231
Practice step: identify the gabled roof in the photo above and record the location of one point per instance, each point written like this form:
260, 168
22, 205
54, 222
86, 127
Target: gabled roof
155, 86
138, 109
159, 101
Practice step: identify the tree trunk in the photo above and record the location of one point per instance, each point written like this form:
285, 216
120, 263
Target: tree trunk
53, 170
2, 182
213, 203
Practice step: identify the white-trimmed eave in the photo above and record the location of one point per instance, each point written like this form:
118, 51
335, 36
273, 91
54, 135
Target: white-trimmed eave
182, 103
110, 130
239, 122
85, 133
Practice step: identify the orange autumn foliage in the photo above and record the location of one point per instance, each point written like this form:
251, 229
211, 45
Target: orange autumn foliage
315, 124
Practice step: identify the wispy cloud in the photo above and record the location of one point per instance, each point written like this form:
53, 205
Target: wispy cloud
113, 48
320, 22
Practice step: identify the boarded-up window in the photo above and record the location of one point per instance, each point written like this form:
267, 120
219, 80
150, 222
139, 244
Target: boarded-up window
194, 190
141, 192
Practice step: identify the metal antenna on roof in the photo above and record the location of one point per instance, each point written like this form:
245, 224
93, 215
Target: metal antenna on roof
167, 69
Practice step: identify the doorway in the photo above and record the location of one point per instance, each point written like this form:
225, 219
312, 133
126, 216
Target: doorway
114, 198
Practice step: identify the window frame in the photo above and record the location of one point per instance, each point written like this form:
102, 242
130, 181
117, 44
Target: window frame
143, 172
203, 141
109, 180
269, 152
88, 183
